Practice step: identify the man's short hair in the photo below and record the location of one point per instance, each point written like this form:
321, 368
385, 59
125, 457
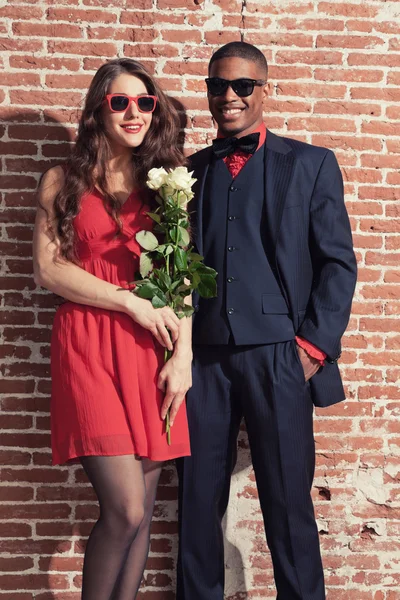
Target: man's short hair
241, 50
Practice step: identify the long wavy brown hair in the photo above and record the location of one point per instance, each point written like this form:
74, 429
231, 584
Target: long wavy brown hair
86, 167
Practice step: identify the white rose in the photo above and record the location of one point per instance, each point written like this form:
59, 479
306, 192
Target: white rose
183, 197
167, 192
156, 178
180, 179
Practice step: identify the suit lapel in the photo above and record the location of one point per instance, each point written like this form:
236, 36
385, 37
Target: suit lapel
200, 167
279, 162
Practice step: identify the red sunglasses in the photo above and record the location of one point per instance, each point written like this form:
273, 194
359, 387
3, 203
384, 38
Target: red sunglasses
121, 102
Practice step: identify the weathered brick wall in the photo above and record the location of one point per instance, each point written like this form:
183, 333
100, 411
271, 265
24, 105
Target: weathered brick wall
335, 68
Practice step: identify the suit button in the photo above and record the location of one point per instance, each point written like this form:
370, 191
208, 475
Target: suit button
233, 188
230, 279
231, 218
196, 308
231, 311
231, 248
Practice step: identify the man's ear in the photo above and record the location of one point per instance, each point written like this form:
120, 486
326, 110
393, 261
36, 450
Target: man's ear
267, 90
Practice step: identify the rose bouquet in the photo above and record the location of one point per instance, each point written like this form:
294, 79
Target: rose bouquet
170, 269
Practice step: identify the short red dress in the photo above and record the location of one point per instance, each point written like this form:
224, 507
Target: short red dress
104, 366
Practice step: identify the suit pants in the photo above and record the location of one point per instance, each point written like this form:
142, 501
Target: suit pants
265, 385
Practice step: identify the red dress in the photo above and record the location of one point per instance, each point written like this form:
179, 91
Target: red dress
104, 365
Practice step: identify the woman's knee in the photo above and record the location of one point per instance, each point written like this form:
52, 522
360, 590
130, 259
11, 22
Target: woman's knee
124, 521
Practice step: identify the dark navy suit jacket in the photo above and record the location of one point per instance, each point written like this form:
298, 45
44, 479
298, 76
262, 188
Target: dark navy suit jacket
311, 245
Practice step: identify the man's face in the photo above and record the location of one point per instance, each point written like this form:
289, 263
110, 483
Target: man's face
237, 116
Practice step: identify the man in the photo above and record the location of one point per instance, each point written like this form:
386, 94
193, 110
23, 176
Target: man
270, 218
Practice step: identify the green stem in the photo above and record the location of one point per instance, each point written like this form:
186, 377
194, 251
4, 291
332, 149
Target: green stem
168, 428
167, 356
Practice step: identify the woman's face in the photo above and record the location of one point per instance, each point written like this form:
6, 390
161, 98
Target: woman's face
127, 128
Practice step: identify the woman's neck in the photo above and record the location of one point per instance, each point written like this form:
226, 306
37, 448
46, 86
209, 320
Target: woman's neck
120, 161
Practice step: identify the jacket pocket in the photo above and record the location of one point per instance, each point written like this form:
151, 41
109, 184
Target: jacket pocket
274, 304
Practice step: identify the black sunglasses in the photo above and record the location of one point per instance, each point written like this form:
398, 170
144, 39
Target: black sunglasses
242, 87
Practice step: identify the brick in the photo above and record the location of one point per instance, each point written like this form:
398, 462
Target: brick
218, 38
171, 4
19, 148
265, 6
80, 16
16, 422
348, 9
361, 75
321, 124
19, 530
364, 93
20, 79
17, 165
14, 457
347, 142
35, 546
60, 563
150, 51
16, 494
103, 49
56, 150
46, 30
51, 493
311, 24
45, 98
287, 39
393, 179
282, 106
349, 41
382, 325
355, 25
315, 57
378, 128
126, 34
372, 59
64, 115
33, 581
283, 72
143, 19
176, 36
392, 112
377, 193
378, 258
15, 564
19, 12
394, 44
379, 161
383, 226
189, 68
311, 90
34, 62
10, 114
16, 45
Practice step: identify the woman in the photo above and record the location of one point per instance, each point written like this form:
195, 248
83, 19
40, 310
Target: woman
111, 390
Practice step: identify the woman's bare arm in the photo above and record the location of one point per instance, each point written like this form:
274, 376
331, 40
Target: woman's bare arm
73, 283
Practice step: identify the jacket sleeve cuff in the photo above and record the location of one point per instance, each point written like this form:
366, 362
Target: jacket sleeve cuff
311, 349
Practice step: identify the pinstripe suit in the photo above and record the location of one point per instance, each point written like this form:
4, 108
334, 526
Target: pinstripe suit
311, 254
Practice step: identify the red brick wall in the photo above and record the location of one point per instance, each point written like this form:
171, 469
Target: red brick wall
335, 69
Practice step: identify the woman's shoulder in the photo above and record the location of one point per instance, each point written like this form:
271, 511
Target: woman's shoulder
51, 182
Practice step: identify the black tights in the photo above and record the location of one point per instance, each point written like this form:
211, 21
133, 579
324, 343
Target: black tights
118, 545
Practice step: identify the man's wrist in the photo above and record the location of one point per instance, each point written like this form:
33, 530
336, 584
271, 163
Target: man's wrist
311, 350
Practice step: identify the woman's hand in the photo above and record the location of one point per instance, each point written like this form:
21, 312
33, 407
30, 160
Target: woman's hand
157, 320
175, 380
